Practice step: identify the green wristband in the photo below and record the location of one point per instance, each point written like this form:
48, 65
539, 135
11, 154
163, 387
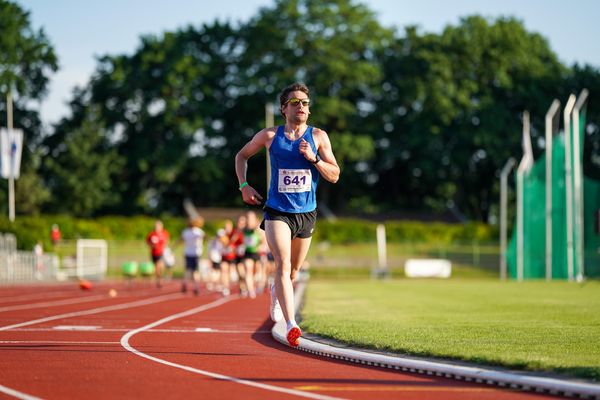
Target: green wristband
243, 184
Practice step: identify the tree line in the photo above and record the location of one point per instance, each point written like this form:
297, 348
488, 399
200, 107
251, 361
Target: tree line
418, 121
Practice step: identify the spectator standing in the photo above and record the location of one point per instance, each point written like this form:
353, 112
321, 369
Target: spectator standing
55, 235
38, 251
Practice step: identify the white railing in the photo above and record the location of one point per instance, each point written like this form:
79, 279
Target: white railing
25, 266
89, 261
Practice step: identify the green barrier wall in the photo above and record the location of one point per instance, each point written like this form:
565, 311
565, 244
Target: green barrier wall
534, 220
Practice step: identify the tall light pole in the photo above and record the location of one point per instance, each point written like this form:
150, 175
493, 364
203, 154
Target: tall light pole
11, 177
269, 122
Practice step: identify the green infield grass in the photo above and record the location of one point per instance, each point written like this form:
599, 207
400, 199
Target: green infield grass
536, 326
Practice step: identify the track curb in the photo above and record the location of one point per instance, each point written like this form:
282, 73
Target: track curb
505, 379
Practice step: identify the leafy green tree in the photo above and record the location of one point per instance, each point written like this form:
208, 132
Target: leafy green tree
452, 105
167, 103
27, 56
587, 76
31, 194
27, 62
83, 168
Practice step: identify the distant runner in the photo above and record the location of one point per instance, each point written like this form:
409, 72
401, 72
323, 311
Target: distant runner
157, 240
193, 239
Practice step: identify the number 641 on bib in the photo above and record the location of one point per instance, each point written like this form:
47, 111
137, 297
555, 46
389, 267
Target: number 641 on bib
294, 180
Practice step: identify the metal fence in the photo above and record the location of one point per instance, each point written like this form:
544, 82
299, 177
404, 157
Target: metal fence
63, 263
24, 266
88, 260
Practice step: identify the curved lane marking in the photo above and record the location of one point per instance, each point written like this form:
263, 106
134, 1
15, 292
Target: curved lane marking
17, 394
138, 303
217, 303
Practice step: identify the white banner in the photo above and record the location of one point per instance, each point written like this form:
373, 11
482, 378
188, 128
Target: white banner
11, 146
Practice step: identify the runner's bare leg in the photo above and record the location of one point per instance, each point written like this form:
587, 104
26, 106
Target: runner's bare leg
300, 248
249, 277
279, 240
224, 275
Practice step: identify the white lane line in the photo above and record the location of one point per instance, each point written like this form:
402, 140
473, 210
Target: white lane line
98, 310
77, 327
72, 295
205, 330
123, 292
17, 394
33, 296
52, 303
51, 342
217, 303
148, 331
53, 329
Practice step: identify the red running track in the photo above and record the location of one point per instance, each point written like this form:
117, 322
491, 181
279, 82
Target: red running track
58, 342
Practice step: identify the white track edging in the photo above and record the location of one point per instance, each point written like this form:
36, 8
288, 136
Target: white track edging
527, 382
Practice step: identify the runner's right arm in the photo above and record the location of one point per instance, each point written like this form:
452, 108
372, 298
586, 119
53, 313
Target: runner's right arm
262, 139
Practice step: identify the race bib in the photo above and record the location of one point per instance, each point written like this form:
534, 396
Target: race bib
294, 180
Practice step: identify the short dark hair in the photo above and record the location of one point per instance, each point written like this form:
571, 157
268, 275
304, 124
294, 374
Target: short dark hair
297, 86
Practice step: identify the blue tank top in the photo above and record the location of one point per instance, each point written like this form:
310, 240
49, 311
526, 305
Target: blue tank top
294, 179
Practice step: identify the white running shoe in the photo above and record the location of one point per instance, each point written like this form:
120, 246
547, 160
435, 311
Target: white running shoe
275, 309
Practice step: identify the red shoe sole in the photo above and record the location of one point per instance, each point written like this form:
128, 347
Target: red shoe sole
293, 336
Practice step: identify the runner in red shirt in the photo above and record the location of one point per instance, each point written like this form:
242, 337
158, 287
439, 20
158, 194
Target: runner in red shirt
233, 238
158, 239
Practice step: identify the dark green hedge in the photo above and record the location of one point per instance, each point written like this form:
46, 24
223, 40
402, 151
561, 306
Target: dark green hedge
31, 229
353, 230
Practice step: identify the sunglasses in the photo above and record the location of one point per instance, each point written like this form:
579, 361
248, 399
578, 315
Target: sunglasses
295, 102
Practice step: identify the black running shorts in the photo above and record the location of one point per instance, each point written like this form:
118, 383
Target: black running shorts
191, 263
302, 225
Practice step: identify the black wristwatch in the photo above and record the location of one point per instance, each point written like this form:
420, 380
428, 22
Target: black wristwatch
317, 159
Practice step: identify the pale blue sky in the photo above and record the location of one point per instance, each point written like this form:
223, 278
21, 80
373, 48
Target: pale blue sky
82, 30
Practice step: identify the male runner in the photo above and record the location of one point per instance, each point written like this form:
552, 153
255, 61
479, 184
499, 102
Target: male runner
299, 153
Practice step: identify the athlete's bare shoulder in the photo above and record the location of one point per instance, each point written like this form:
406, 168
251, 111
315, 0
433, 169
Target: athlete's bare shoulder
318, 131
319, 135
270, 132
262, 138
266, 135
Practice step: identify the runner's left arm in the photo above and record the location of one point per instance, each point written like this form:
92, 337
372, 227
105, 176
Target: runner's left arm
328, 166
